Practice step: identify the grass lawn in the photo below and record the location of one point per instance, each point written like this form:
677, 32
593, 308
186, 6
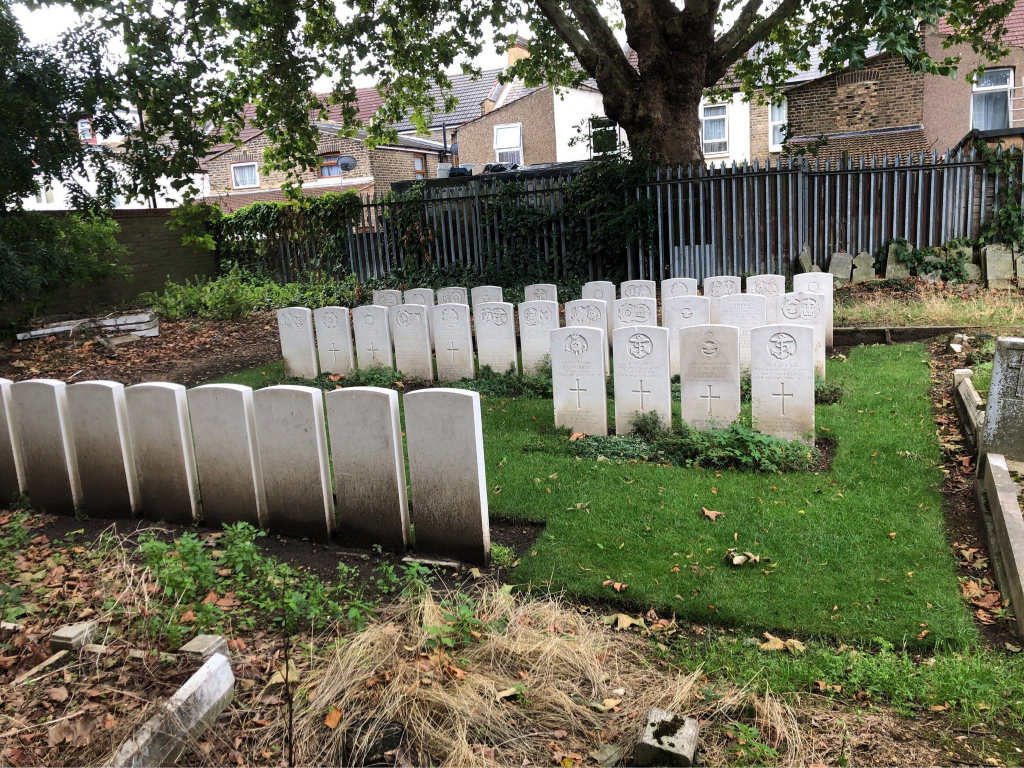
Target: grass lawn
984, 309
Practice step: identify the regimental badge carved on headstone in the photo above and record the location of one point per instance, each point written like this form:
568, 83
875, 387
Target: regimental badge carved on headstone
642, 381
541, 292
709, 373
640, 346
495, 336
782, 381
677, 287
639, 311
590, 313
576, 344
578, 379
807, 309
536, 321
454, 342
781, 345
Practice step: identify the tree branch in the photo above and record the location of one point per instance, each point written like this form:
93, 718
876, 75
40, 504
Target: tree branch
747, 17
727, 51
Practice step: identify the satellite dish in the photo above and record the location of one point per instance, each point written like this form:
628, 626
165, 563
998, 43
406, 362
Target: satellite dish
347, 163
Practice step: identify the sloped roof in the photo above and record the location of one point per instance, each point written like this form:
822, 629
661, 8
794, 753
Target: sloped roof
879, 141
470, 93
1014, 24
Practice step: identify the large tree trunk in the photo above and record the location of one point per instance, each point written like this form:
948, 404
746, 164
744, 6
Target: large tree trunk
665, 125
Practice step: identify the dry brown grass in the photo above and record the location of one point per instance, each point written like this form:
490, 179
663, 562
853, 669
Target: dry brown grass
929, 305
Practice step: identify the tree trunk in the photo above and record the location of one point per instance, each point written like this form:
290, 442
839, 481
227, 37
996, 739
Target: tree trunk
666, 130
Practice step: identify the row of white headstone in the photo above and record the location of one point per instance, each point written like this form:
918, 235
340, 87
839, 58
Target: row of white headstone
782, 366
223, 454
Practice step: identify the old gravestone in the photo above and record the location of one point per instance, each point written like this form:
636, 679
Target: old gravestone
744, 311
484, 294
769, 286
782, 381
373, 339
638, 289
496, 336
453, 295
675, 287
369, 466
161, 435
717, 287
603, 290
410, 331
682, 312
227, 454
819, 282
295, 326
454, 342
807, 309
293, 456
12, 469
387, 298
631, 312
998, 263
642, 379
841, 267
98, 415
579, 381
446, 474
541, 292
1004, 414
709, 374
334, 339
863, 268
536, 321
806, 261
894, 268
424, 297
590, 313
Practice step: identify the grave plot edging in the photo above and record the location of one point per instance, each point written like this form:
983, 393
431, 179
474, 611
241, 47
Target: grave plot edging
997, 491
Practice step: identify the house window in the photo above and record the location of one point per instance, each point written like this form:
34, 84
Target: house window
45, 194
84, 130
776, 126
419, 167
604, 137
714, 129
990, 101
329, 166
508, 143
245, 175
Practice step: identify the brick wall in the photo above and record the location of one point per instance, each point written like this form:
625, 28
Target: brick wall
537, 114
391, 165
759, 133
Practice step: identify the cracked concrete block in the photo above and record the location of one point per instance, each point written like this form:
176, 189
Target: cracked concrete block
668, 739
204, 646
71, 637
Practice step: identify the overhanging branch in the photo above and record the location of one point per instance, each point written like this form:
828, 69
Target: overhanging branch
728, 51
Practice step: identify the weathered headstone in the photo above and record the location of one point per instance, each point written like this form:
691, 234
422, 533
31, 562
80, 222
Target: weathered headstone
894, 268
717, 287
444, 434
387, 298
541, 292
98, 415
227, 455
165, 460
998, 263
410, 331
454, 342
12, 469
484, 294
973, 272
709, 375
590, 313
638, 289
373, 339
841, 267
676, 287
631, 312
863, 268
744, 311
807, 309
819, 283
495, 336
293, 456
1004, 413
642, 379
536, 321
579, 379
369, 466
806, 261
682, 312
769, 286
334, 339
782, 381
603, 290
453, 295
423, 297
295, 326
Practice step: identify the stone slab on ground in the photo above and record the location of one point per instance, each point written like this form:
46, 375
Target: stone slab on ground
298, 347
579, 383
806, 261
668, 739
204, 646
894, 268
537, 319
863, 268
1003, 501
12, 469
1004, 413
997, 261
71, 637
454, 339
841, 267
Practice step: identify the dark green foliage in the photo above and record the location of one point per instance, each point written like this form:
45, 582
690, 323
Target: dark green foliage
827, 392
944, 262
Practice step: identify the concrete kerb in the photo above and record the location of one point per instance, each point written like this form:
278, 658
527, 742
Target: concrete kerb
997, 496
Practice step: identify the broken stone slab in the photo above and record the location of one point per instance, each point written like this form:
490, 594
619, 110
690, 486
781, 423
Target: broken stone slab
71, 637
140, 324
998, 263
973, 272
955, 345
805, 260
205, 646
40, 667
841, 266
113, 342
668, 739
960, 374
863, 268
894, 268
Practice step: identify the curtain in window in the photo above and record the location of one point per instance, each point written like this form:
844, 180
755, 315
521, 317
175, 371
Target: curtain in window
991, 110
245, 176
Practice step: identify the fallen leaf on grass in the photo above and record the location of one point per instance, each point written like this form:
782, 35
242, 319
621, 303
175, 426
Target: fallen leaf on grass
291, 669
711, 513
333, 718
773, 643
559, 734
1012, 648
58, 694
577, 436
618, 586
607, 756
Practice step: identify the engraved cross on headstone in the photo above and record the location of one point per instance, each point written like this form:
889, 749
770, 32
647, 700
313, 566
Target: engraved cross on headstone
453, 349
641, 391
709, 397
783, 395
373, 351
334, 349
577, 390
1019, 367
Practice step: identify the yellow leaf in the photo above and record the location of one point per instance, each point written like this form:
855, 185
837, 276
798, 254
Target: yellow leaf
333, 718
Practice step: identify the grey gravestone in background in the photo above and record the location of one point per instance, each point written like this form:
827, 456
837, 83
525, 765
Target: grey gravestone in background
373, 339
709, 374
638, 289
453, 295
769, 286
894, 268
454, 342
717, 287
293, 456
161, 433
604, 290
578, 379
820, 282
410, 331
98, 415
806, 261
782, 381
802, 308
537, 319
682, 312
541, 292
630, 312
841, 267
642, 380
334, 339
369, 467
484, 294
227, 455
863, 268
495, 336
1004, 414
676, 287
388, 298
745, 312
424, 297
998, 263
446, 471
295, 326
12, 470
590, 313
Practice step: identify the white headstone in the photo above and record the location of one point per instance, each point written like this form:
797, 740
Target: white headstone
769, 286
744, 311
334, 339
295, 325
642, 380
603, 290
709, 375
424, 297
373, 339
1003, 431
485, 294
12, 469
227, 455
541, 292
453, 295
387, 298
629, 312
495, 336
782, 381
369, 467
410, 330
638, 289
39, 409
717, 287
293, 456
819, 282
682, 312
98, 414
590, 313
677, 287
536, 321
161, 432
444, 434
454, 342
579, 380
807, 309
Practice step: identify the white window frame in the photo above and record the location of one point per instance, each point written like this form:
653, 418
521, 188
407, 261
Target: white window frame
85, 132
725, 117
975, 88
498, 151
772, 146
235, 185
